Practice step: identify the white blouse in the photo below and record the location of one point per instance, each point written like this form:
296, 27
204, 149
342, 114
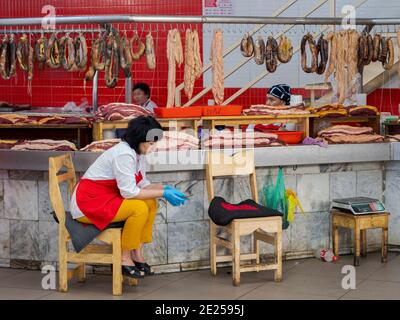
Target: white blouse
119, 163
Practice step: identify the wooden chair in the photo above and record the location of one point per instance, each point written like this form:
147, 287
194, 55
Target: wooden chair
109, 253
268, 229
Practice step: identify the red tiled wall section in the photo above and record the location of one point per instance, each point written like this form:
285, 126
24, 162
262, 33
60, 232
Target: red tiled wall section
56, 87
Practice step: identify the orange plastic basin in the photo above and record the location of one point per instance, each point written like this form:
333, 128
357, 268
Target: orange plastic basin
178, 112
290, 137
228, 110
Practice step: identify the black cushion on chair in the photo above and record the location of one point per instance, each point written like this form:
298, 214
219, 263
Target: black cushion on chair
81, 233
222, 212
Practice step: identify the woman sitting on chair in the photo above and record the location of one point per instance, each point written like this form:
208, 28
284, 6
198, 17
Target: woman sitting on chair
115, 189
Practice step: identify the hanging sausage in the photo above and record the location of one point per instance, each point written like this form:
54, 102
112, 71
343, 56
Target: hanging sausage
259, 50
81, 52
323, 54
125, 55
271, 54
285, 50
8, 57
53, 52
308, 39
67, 52
112, 62
388, 62
40, 51
376, 48
25, 59
247, 45
137, 47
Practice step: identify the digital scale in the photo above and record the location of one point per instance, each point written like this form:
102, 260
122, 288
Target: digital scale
358, 205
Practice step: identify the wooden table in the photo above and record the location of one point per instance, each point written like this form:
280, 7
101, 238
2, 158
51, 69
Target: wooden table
173, 123
318, 124
302, 120
80, 134
360, 224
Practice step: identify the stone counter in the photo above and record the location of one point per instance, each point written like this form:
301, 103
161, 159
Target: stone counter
28, 233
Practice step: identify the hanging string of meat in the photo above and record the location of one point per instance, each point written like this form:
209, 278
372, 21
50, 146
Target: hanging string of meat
174, 56
217, 62
81, 52
189, 72
40, 51
8, 58
53, 52
25, 59
112, 62
150, 52
259, 50
285, 49
308, 39
125, 55
137, 47
247, 45
198, 64
67, 52
331, 38
388, 61
352, 61
193, 64
271, 54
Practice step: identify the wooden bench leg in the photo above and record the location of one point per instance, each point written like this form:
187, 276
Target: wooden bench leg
335, 240
256, 249
364, 243
278, 256
82, 272
236, 256
384, 244
117, 268
63, 266
213, 249
356, 246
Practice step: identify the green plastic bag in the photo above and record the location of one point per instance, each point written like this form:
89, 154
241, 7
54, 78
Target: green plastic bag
275, 197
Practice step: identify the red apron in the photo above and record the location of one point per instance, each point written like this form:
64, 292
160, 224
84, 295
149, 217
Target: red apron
100, 200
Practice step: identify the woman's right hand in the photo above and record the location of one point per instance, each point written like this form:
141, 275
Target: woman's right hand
174, 196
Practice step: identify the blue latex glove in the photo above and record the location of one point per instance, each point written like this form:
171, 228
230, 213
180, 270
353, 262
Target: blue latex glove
174, 196
178, 192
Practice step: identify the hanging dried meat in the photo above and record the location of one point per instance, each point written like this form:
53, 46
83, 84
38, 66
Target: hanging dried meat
331, 38
8, 58
285, 49
308, 39
150, 52
25, 59
217, 66
259, 51
388, 61
323, 54
193, 64
247, 45
376, 47
67, 52
53, 52
137, 47
125, 55
40, 51
81, 52
174, 56
112, 62
271, 54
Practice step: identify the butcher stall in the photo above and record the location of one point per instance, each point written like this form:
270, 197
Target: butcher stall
330, 145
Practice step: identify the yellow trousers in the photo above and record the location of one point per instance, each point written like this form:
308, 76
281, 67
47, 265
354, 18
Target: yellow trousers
139, 217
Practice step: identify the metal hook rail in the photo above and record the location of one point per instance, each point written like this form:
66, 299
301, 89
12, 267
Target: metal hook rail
192, 19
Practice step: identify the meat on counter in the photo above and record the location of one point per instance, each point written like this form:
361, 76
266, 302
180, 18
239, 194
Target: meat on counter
261, 109
349, 134
228, 139
121, 111
45, 145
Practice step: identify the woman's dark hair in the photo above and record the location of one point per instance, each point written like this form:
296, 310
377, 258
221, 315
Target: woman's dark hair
144, 87
142, 129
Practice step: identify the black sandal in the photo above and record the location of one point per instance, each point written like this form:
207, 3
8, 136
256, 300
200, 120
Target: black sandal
132, 272
144, 267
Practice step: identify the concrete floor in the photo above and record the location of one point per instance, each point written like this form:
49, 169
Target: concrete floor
303, 279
